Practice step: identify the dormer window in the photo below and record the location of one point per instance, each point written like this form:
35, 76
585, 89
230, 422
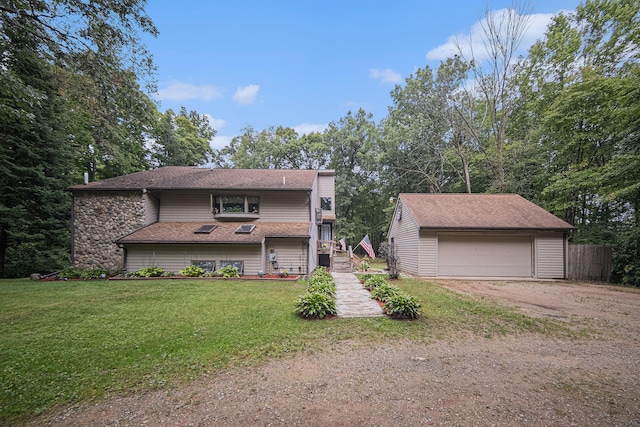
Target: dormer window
236, 205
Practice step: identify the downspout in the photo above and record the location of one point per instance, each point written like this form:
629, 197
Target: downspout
263, 255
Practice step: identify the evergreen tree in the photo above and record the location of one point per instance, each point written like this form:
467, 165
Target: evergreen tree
34, 163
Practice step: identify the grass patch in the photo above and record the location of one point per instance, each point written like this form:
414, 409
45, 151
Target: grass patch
64, 342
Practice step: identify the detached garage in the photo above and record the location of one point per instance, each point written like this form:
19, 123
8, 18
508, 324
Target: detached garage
478, 235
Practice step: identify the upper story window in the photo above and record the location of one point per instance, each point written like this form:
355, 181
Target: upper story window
325, 203
236, 205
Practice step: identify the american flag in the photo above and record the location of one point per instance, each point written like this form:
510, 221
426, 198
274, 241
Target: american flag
366, 245
343, 244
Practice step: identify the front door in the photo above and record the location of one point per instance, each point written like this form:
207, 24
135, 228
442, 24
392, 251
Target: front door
326, 232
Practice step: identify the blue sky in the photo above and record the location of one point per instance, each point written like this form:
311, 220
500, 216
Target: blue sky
303, 64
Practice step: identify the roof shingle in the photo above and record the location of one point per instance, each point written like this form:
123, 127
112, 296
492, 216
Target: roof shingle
480, 212
186, 177
225, 232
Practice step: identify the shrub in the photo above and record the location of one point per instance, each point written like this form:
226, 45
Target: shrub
321, 273
316, 305
327, 288
374, 281
402, 306
95, 273
192, 271
70, 273
365, 276
385, 292
150, 272
229, 271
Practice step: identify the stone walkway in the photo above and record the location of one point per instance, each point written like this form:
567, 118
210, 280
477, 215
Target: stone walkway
352, 299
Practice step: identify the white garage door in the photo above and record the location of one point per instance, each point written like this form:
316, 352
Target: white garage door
484, 256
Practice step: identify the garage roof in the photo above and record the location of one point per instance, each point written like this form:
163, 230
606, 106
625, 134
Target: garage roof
479, 212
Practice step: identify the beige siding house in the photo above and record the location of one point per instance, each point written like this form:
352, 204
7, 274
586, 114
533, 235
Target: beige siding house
171, 217
478, 235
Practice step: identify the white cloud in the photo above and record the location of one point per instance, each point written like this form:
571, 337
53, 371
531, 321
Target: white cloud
178, 91
246, 95
473, 41
385, 76
219, 142
217, 124
307, 128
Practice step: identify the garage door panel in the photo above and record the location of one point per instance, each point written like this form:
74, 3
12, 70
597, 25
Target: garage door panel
484, 256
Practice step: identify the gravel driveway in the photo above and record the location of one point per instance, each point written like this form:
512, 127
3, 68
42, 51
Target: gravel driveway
528, 380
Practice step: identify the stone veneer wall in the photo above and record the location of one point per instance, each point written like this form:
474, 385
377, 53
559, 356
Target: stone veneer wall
99, 219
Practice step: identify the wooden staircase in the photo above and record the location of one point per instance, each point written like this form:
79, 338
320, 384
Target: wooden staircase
341, 264
341, 261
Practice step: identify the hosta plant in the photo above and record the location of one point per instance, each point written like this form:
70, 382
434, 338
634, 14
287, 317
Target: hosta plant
192, 271
385, 292
402, 306
374, 281
327, 288
316, 305
229, 271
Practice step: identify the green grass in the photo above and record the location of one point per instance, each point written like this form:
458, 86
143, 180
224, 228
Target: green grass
64, 342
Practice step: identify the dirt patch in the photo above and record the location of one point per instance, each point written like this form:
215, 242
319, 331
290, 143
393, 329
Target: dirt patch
559, 299
517, 380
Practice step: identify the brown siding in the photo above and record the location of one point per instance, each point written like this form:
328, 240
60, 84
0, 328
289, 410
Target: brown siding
175, 257
427, 261
185, 206
550, 259
150, 209
284, 207
193, 206
292, 255
326, 188
406, 237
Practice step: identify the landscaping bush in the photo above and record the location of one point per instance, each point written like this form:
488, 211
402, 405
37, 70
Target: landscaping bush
385, 292
70, 273
319, 301
151, 272
374, 281
321, 274
402, 306
316, 305
192, 271
95, 273
228, 271
327, 288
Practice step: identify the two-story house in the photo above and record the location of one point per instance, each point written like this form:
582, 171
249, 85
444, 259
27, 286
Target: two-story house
256, 219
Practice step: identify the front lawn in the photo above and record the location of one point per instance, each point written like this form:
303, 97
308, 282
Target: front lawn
63, 342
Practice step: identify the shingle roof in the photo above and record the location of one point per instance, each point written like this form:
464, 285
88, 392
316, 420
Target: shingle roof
480, 212
224, 232
186, 177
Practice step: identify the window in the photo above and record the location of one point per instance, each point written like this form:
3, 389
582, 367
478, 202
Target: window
236, 205
325, 203
237, 264
209, 265
245, 229
205, 229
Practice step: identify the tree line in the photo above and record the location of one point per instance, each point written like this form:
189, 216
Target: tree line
558, 126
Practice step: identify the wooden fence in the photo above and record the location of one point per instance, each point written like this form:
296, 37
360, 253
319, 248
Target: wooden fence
590, 262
